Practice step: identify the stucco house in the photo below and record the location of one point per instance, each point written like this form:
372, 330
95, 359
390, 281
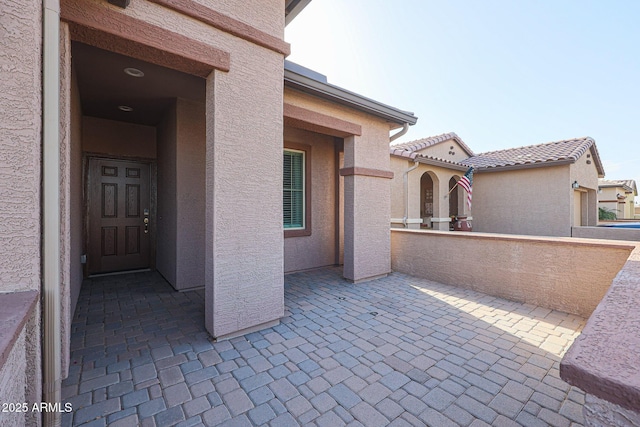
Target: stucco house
174, 136
618, 196
543, 189
425, 171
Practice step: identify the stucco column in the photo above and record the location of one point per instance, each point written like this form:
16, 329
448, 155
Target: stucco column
244, 279
366, 206
441, 209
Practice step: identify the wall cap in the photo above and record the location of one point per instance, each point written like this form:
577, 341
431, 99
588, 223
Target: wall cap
604, 360
575, 241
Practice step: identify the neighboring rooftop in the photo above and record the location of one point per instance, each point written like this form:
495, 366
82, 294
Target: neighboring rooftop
428, 160
627, 184
420, 144
552, 153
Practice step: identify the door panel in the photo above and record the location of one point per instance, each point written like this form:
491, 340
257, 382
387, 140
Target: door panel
118, 215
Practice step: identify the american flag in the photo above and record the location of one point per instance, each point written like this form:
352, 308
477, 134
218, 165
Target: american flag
466, 182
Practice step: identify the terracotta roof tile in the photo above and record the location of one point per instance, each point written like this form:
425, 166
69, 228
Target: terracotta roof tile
569, 151
420, 144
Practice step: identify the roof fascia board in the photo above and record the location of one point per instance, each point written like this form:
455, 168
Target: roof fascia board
292, 8
439, 163
522, 166
345, 97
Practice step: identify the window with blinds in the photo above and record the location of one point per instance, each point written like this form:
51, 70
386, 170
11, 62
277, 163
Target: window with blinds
293, 197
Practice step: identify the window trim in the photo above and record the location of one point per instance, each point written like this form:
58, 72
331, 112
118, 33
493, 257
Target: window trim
306, 231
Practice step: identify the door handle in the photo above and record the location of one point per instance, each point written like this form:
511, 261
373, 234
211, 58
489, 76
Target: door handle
146, 225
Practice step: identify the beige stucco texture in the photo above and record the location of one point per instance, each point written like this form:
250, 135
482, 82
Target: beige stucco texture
20, 360
570, 275
318, 249
449, 150
181, 195
524, 201
12, 381
244, 239
20, 128
110, 137
20, 184
366, 198
440, 177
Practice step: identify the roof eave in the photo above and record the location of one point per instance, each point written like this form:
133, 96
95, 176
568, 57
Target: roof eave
562, 162
440, 163
292, 8
350, 99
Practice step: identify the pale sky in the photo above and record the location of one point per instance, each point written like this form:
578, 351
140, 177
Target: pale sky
499, 73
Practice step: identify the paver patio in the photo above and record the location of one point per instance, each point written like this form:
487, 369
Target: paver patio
395, 351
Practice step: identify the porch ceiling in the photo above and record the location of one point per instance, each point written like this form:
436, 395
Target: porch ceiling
104, 86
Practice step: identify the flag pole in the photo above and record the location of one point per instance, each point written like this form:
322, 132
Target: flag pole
453, 188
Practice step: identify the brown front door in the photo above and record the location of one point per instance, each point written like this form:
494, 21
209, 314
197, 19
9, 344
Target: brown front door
118, 215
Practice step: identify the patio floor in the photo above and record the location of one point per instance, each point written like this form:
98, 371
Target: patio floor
394, 351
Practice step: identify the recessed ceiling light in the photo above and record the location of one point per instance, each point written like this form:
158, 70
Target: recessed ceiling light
125, 108
134, 72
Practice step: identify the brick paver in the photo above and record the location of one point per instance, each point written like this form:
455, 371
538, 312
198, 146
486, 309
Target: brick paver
394, 351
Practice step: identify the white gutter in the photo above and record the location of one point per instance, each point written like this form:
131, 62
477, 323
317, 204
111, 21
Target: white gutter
405, 178
405, 129
51, 209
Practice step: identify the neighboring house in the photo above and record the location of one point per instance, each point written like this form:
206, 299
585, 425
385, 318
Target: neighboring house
543, 189
618, 196
424, 172
169, 135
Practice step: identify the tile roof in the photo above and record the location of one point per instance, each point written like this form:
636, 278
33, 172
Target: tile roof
420, 144
429, 160
557, 152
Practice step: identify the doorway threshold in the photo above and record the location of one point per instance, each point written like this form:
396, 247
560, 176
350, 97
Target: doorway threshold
115, 273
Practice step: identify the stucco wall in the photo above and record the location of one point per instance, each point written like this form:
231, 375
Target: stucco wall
20, 183
398, 166
566, 274
20, 357
20, 145
536, 201
13, 379
440, 177
181, 195
267, 16
111, 137
190, 194
76, 208
366, 198
167, 210
604, 360
318, 249
584, 172
243, 263
443, 150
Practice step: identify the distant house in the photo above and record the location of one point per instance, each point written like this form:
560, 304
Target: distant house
424, 172
618, 196
540, 189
